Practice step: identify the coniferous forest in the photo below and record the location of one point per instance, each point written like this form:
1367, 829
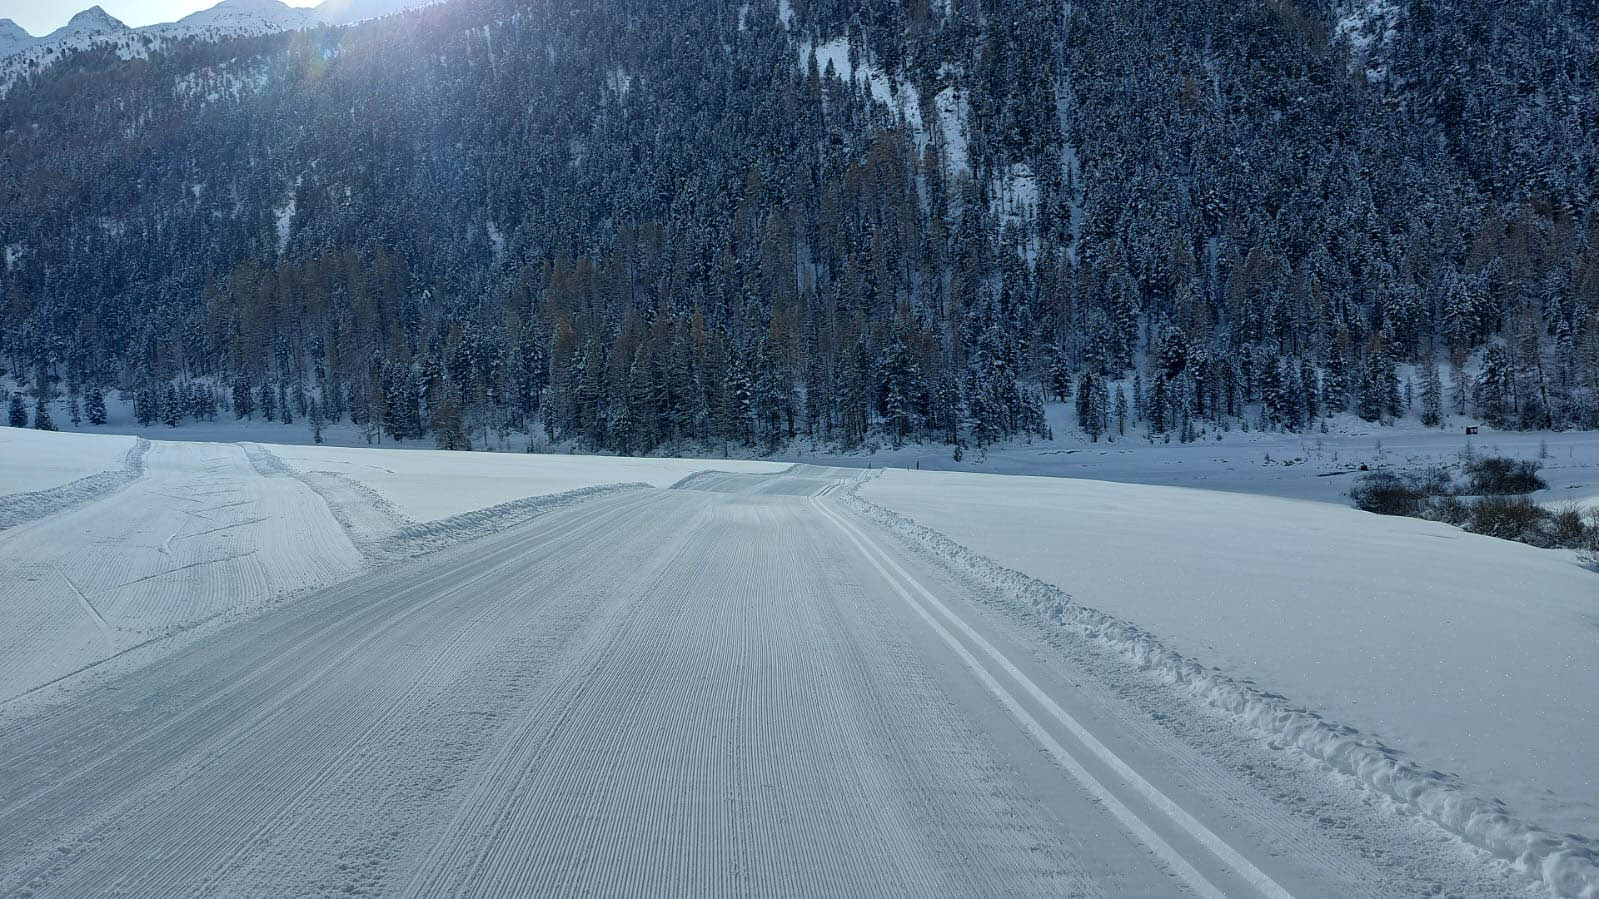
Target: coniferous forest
644, 227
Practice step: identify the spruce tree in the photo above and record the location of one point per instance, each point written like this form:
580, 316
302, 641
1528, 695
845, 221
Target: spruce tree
171, 406
94, 406
1432, 395
17, 414
243, 399
1491, 394
269, 403
41, 416
146, 406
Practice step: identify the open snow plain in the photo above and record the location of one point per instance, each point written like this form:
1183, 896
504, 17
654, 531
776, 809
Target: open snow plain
236, 669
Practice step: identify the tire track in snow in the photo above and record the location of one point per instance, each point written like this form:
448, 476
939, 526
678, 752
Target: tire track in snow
360, 621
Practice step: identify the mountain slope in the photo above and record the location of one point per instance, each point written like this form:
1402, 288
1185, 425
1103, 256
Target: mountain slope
644, 228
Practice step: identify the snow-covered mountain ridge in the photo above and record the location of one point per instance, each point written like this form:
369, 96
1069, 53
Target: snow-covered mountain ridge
21, 52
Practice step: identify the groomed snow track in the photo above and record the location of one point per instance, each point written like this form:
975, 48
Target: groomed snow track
737, 687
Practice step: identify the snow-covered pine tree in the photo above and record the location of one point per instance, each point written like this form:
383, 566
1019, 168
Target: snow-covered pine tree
1491, 395
94, 406
171, 409
1432, 395
41, 416
269, 403
243, 399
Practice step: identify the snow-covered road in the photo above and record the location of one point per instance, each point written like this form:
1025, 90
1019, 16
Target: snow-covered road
735, 687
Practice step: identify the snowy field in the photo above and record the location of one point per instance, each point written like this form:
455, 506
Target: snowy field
427, 485
1312, 466
1476, 656
514, 651
37, 460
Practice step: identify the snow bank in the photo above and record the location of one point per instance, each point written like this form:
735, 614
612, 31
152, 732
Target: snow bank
1478, 655
427, 485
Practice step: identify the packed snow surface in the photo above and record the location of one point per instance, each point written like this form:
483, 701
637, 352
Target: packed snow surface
1476, 656
738, 686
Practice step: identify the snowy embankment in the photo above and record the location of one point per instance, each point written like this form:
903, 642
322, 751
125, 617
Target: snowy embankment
1473, 655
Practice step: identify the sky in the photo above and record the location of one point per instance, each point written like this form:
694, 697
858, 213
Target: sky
40, 17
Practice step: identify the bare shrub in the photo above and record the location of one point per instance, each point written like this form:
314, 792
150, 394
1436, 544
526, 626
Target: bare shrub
1503, 476
1508, 518
1386, 494
1449, 510
1567, 528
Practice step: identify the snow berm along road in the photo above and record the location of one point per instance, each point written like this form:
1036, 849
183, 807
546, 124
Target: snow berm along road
735, 687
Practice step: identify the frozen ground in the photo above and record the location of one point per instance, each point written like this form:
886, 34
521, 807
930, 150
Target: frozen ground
736, 687
97, 557
336, 671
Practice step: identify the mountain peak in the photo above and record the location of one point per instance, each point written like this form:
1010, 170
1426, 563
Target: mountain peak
245, 17
12, 37
95, 18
